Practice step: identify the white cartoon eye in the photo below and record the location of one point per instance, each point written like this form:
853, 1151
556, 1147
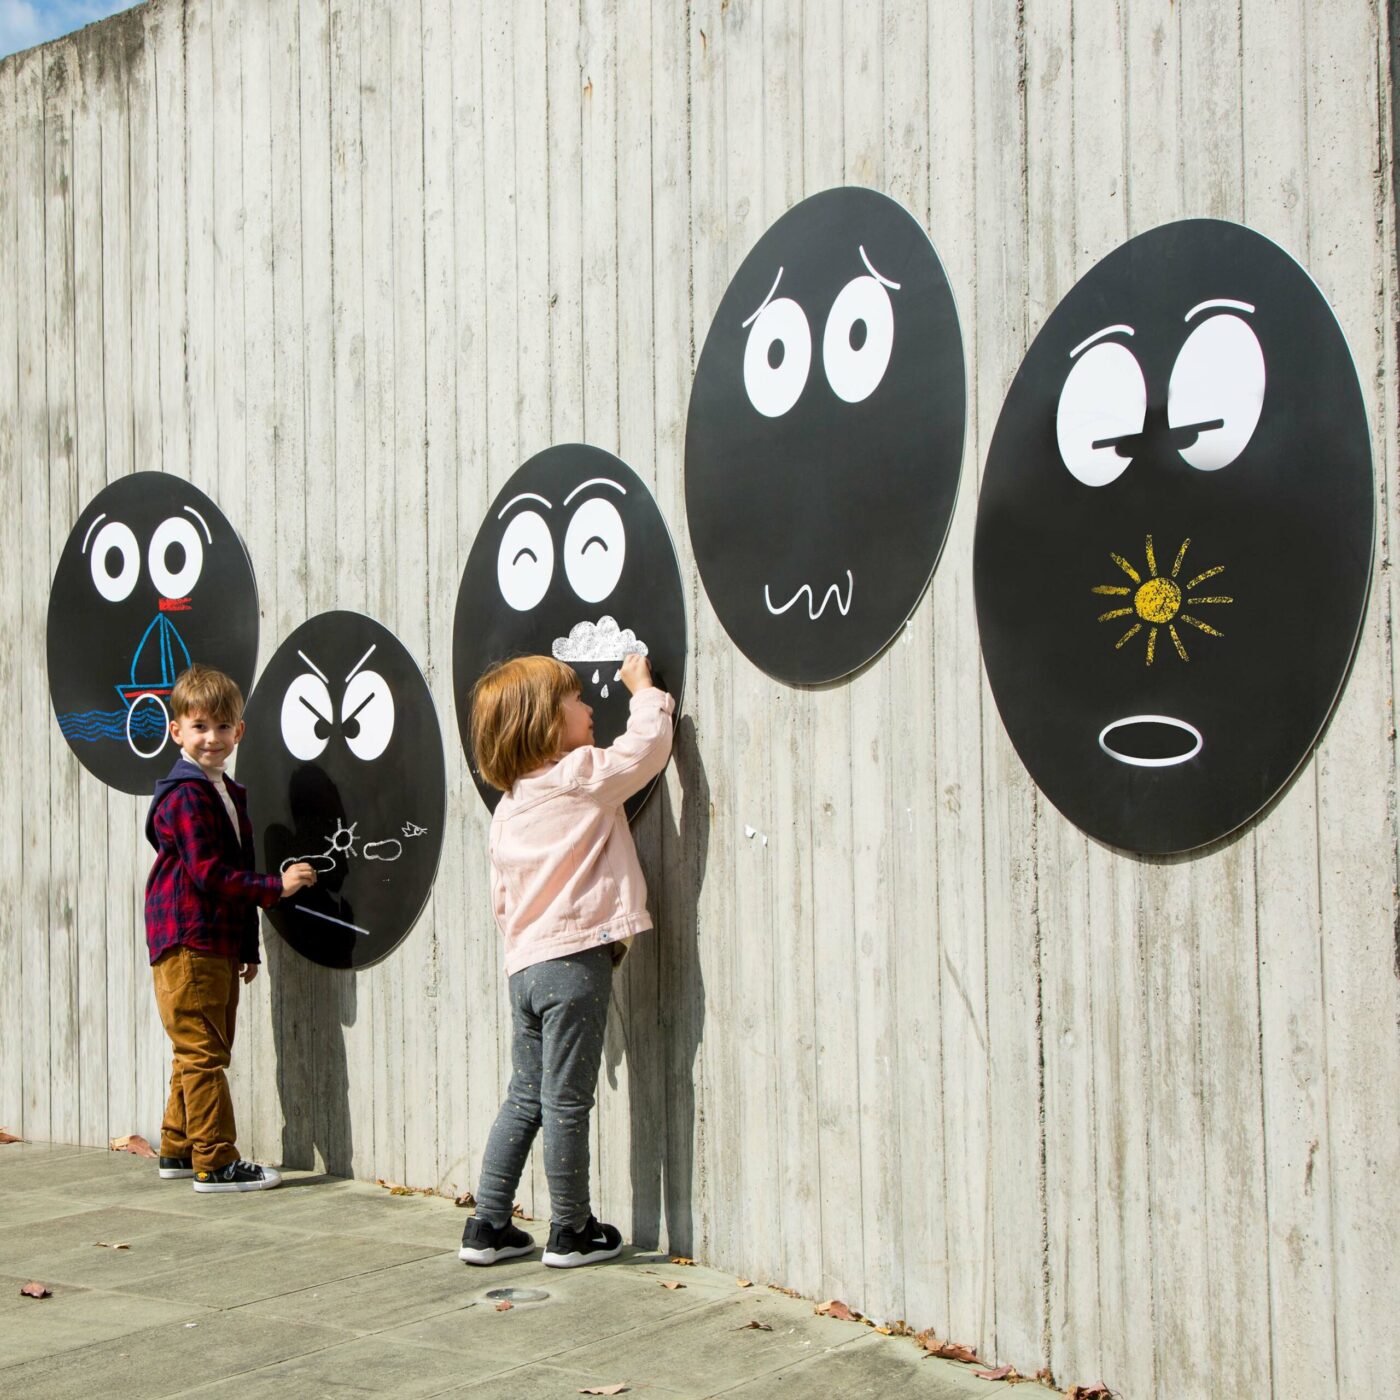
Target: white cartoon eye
525, 562
777, 357
594, 549
115, 547
306, 717
858, 339
1216, 392
367, 715
1104, 402
175, 539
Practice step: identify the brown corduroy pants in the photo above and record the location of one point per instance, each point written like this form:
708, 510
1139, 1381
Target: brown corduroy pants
197, 995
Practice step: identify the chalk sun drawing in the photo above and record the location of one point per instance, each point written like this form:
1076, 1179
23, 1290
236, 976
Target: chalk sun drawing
1158, 600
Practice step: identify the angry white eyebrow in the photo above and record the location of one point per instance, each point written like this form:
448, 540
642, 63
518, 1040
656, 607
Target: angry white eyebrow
314, 667
594, 481
1099, 335
878, 276
91, 528
201, 520
523, 496
360, 663
765, 301
1220, 301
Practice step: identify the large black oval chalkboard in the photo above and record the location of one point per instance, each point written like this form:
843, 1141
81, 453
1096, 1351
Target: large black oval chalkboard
573, 560
825, 436
344, 767
1174, 536
152, 577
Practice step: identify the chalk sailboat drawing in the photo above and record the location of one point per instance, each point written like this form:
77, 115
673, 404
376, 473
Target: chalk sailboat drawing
158, 647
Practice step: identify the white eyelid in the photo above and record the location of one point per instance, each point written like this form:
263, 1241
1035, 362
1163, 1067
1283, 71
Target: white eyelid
91, 528
1099, 335
1219, 301
314, 666
594, 481
879, 277
764, 302
524, 496
202, 521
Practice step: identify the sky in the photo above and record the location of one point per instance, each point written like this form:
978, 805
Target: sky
24, 23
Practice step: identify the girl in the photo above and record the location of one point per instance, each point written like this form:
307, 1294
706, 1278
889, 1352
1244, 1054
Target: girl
568, 894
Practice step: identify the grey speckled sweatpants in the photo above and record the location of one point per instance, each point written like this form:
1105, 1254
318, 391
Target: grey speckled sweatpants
559, 1012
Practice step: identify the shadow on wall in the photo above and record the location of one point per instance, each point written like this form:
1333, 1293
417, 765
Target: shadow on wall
311, 1006
660, 1001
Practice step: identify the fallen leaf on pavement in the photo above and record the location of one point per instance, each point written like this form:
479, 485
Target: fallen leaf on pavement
744, 1282
755, 1327
103, 1244
7, 1136
786, 1292
671, 1283
954, 1351
467, 1200
134, 1143
505, 1305
1000, 1374
604, 1389
36, 1290
681, 1259
834, 1307
1092, 1392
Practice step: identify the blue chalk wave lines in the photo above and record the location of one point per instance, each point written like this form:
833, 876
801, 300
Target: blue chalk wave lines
91, 725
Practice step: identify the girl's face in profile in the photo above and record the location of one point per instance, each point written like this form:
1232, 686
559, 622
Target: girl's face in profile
578, 724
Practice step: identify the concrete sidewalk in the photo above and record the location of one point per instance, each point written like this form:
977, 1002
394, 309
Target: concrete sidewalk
332, 1287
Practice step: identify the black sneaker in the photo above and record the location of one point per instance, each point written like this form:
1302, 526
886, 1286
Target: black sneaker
569, 1248
485, 1243
238, 1176
171, 1167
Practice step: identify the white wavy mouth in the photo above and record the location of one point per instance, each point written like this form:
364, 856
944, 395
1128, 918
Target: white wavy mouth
815, 610
1192, 741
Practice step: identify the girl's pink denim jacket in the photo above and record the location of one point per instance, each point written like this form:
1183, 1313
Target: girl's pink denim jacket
564, 872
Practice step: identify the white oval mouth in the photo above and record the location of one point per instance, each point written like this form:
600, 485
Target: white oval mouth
1192, 739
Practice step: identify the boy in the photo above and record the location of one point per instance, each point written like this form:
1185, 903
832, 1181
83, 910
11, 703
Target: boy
202, 900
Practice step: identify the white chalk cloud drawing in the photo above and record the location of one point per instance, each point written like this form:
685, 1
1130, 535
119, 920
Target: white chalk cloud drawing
341, 842
600, 641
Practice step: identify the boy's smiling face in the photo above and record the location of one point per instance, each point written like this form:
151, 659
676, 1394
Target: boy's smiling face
209, 741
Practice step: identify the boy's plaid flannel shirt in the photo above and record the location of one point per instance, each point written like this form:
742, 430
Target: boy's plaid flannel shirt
203, 891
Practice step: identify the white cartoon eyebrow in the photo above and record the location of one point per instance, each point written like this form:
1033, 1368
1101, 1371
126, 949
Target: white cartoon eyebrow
1099, 335
1220, 301
91, 528
878, 276
360, 663
594, 481
200, 518
523, 496
765, 300
314, 667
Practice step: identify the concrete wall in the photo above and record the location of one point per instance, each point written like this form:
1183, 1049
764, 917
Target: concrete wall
345, 264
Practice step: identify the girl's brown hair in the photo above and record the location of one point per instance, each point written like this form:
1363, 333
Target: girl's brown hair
518, 717
203, 690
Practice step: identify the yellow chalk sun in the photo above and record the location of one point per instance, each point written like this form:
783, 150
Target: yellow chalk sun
1157, 601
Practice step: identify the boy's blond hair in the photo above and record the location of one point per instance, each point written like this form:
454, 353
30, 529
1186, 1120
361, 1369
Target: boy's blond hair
518, 717
203, 690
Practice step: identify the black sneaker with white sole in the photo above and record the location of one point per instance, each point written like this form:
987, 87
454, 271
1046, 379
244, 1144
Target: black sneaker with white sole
171, 1167
568, 1248
485, 1243
238, 1176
